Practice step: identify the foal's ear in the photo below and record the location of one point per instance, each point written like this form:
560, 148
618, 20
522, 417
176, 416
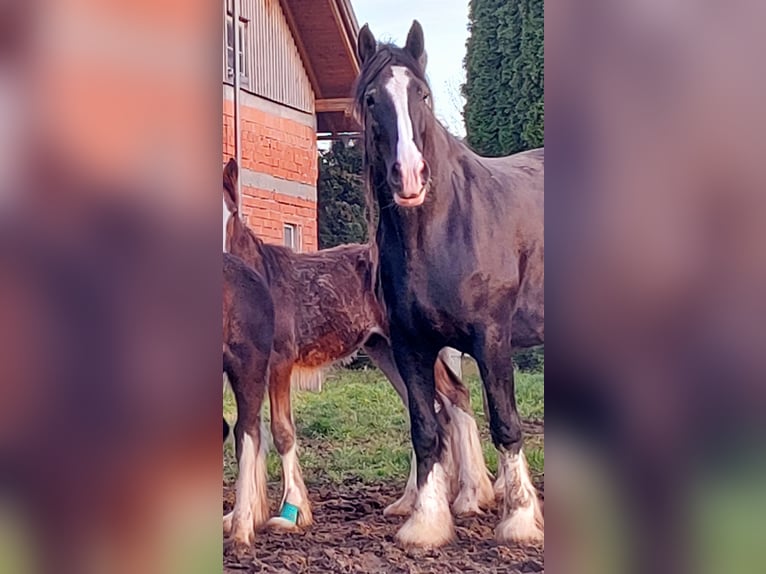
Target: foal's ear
366, 45
416, 45
230, 175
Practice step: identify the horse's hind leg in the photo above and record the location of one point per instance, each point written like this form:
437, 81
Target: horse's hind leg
251, 506
295, 510
522, 518
474, 490
499, 486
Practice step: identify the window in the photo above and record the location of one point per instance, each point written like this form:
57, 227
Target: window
241, 52
292, 236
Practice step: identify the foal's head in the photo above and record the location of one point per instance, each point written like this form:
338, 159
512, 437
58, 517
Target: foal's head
394, 103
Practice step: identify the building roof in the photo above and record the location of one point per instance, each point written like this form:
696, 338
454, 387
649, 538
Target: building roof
325, 33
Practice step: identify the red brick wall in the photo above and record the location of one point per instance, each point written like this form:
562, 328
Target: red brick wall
284, 149
266, 212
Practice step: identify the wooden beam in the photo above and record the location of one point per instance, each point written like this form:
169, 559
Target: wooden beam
348, 42
345, 105
301, 48
339, 135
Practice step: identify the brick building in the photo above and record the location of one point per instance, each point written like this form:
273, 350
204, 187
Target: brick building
297, 64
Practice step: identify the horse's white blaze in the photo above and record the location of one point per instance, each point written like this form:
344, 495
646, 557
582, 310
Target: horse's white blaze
430, 524
522, 518
407, 153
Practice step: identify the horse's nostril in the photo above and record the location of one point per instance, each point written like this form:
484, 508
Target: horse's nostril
396, 173
425, 172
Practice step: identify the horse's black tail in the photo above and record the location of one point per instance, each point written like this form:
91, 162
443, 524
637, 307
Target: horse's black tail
230, 175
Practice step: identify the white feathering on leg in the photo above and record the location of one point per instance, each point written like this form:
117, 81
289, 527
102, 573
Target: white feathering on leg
430, 524
475, 489
522, 519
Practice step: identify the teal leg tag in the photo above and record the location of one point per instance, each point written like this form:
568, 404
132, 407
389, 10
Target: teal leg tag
289, 512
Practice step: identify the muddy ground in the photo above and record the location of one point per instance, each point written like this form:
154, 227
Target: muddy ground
350, 534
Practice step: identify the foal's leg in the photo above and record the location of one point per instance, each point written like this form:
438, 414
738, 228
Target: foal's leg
522, 519
430, 524
295, 510
251, 507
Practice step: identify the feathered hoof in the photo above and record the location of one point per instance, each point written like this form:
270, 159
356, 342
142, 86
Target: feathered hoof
282, 524
467, 504
421, 533
486, 492
524, 525
402, 507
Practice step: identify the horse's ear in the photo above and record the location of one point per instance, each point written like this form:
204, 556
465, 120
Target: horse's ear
230, 175
366, 45
415, 45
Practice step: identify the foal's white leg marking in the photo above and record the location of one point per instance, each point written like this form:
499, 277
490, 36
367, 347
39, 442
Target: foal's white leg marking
295, 493
522, 518
407, 153
251, 505
430, 524
475, 488
404, 506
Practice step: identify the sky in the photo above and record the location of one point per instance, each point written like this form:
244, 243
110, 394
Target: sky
445, 30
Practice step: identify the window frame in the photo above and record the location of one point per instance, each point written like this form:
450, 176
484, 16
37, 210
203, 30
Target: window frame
295, 230
244, 41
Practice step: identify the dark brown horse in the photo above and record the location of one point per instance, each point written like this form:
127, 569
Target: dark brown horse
459, 244
248, 335
325, 312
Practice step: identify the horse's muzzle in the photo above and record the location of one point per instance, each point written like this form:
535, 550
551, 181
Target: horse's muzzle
409, 185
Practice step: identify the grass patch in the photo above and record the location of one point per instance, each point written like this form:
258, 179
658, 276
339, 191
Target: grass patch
356, 428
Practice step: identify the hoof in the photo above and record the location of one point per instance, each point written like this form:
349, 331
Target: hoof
430, 524
426, 534
282, 524
523, 526
291, 518
486, 492
402, 507
466, 504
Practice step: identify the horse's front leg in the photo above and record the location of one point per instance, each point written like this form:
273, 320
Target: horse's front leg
430, 524
522, 518
379, 350
295, 510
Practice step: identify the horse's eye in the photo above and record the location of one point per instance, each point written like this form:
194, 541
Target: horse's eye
370, 101
426, 96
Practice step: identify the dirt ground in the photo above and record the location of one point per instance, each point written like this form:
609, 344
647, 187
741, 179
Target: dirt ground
350, 534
